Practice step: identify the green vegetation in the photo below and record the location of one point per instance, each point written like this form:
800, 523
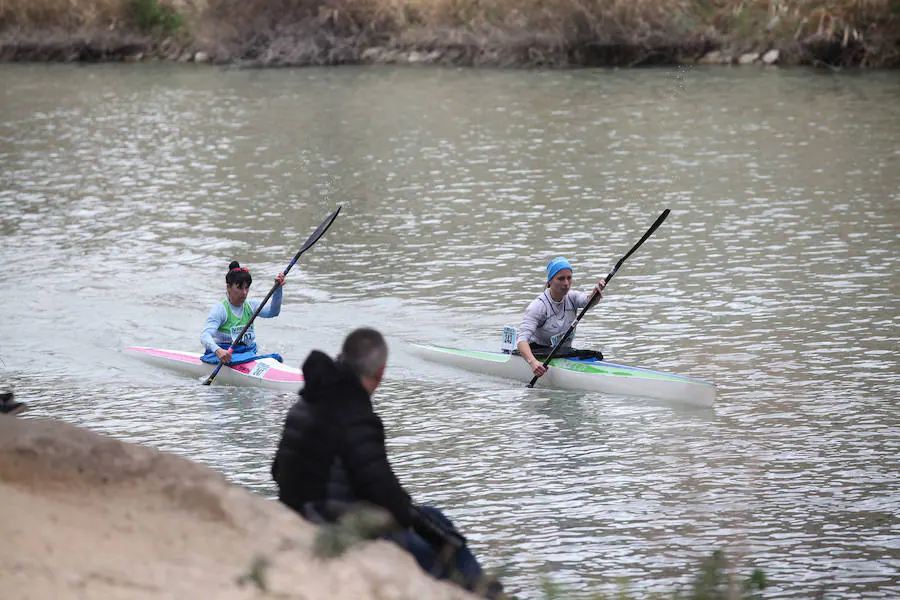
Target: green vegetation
715, 580
256, 574
334, 539
144, 15
149, 16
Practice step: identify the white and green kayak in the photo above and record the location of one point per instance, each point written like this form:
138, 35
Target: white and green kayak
589, 375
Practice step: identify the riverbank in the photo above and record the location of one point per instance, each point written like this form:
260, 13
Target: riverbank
86, 516
526, 33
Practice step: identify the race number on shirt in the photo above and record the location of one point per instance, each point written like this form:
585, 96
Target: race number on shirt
555, 339
248, 337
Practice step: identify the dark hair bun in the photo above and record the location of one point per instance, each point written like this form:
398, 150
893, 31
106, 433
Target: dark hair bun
236, 274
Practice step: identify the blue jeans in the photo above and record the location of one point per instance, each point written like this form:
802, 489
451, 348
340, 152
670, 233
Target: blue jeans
458, 565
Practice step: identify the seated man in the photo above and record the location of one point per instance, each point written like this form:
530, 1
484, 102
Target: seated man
332, 459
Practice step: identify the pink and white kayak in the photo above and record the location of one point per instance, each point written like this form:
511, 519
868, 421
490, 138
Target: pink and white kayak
265, 372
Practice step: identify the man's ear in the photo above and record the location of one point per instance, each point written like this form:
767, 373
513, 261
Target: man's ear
380, 372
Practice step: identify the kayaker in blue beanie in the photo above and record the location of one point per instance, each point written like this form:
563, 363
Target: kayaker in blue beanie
551, 314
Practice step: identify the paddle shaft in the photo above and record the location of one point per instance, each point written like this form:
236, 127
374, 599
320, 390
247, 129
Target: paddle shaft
319, 232
595, 296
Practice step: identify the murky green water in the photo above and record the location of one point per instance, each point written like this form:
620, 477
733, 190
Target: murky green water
126, 190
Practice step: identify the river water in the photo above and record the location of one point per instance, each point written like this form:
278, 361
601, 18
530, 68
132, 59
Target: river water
126, 190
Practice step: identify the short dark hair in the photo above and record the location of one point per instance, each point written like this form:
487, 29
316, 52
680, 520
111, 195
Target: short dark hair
364, 351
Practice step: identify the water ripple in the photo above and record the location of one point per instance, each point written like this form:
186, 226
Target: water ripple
125, 191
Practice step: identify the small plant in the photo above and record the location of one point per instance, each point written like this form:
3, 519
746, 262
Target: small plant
716, 580
256, 573
334, 539
150, 16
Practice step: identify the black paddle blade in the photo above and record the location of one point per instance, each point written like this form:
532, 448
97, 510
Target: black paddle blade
312, 239
655, 226
320, 230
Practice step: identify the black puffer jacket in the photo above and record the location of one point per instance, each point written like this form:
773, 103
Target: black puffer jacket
332, 456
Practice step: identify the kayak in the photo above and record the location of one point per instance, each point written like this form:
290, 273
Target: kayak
264, 372
586, 375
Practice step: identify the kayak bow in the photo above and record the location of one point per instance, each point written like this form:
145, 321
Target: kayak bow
264, 372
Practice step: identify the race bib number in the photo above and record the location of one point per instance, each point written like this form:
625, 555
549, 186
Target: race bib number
259, 370
508, 342
248, 337
555, 339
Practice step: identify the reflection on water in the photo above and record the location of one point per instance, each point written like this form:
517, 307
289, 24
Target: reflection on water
125, 192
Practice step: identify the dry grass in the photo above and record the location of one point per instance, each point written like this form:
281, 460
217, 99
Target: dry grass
872, 24
67, 14
798, 17
824, 16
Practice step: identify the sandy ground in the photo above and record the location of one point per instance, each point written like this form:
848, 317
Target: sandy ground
86, 516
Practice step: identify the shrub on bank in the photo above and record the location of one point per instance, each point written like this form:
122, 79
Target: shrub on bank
145, 16
716, 579
149, 16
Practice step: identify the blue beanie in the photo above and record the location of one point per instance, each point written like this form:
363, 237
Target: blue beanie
556, 265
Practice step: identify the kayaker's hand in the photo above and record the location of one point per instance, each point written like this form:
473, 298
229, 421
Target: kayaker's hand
223, 355
537, 367
279, 279
598, 289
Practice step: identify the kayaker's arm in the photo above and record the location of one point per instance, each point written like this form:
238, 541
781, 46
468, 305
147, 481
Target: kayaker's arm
214, 319
536, 366
533, 318
598, 289
273, 309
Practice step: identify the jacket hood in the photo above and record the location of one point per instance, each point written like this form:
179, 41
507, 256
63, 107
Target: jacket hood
323, 377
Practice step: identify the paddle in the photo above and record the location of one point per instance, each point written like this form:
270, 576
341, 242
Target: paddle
594, 297
319, 232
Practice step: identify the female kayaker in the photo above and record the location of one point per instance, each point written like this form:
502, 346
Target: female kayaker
551, 314
227, 318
